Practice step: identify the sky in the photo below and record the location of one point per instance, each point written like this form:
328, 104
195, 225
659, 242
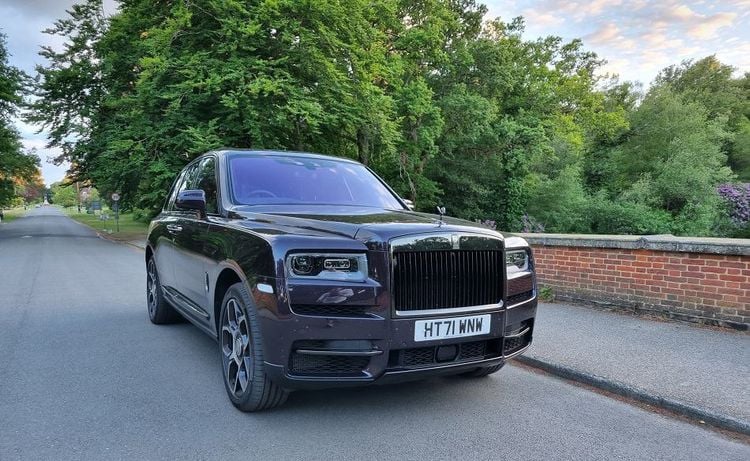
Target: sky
637, 37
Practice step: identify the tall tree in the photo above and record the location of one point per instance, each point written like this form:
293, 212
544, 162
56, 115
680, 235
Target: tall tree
69, 88
711, 84
15, 164
673, 160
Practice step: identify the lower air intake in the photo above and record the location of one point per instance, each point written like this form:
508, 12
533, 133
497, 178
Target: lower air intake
303, 364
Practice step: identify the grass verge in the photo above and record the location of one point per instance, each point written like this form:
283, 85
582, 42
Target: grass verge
13, 213
129, 229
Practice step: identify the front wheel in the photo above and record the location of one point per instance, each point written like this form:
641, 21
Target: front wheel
245, 379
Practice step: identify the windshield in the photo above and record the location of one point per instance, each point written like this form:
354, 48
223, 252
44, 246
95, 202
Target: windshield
272, 179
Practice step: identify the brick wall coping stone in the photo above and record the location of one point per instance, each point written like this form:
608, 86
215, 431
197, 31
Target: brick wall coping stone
724, 246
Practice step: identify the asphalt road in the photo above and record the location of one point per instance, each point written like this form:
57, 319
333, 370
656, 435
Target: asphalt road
84, 375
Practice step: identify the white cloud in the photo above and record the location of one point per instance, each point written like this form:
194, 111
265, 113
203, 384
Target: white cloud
542, 19
680, 13
709, 26
604, 34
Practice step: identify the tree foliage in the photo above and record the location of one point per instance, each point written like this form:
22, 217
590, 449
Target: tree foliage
449, 107
64, 194
16, 166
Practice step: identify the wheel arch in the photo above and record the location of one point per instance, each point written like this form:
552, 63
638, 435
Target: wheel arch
227, 277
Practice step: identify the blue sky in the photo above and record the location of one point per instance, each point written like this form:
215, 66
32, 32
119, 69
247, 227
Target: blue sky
640, 37
636, 37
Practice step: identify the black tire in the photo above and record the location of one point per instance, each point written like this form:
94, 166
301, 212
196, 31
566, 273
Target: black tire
159, 310
241, 353
483, 371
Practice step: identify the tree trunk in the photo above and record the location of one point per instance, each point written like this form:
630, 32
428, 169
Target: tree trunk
363, 147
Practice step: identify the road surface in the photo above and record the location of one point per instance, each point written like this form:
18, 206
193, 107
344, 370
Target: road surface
85, 375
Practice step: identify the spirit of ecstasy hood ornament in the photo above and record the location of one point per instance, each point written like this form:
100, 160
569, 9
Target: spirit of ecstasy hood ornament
441, 211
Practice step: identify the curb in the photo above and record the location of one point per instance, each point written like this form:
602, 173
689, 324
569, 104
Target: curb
131, 243
709, 417
121, 242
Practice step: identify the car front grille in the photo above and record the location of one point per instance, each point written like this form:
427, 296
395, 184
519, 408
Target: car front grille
444, 279
426, 356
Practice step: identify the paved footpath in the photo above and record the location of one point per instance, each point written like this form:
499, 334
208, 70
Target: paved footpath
701, 367
85, 375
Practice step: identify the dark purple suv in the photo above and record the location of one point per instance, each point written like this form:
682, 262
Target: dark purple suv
311, 273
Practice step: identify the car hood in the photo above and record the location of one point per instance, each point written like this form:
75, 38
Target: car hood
361, 223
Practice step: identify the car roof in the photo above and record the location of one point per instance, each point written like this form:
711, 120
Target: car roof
280, 153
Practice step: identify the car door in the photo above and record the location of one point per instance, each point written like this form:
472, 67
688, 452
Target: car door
192, 260
166, 224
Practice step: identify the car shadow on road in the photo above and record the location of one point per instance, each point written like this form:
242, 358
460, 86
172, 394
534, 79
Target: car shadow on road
408, 396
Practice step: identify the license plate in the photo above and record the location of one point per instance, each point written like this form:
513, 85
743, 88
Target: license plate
456, 327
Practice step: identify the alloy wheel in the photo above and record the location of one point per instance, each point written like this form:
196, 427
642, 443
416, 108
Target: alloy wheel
151, 287
235, 346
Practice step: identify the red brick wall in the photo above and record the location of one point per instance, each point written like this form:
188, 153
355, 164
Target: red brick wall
706, 287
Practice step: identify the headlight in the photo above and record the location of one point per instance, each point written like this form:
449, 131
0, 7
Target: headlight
333, 266
517, 261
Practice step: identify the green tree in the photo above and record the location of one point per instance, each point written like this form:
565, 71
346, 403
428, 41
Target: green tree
449, 108
16, 165
69, 89
673, 160
64, 194
711, 84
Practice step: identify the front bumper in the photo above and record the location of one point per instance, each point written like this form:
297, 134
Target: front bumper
381, 349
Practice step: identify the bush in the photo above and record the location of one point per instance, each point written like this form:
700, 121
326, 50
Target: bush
607, 217
736, 199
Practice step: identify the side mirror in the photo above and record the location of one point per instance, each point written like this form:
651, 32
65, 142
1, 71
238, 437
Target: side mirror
192, 200
409, 204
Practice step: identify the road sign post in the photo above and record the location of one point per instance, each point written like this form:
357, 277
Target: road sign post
116, 209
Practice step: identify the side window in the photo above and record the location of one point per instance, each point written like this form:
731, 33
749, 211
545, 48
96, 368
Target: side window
186, 178
169, 206
206, 181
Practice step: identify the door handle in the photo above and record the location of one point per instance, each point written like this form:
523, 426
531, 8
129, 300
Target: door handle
174, 228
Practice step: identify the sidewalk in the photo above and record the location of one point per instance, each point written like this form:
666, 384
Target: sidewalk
679, 366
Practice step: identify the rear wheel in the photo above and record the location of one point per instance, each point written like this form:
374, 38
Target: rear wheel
241, 347
483, 371
159, 311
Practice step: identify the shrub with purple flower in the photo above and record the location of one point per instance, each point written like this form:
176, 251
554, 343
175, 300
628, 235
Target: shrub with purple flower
531, 225
488, 223
737, 197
